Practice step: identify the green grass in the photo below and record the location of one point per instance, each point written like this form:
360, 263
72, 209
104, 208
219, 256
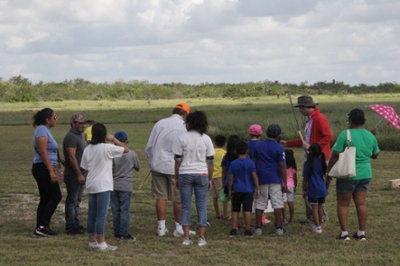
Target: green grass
300, 246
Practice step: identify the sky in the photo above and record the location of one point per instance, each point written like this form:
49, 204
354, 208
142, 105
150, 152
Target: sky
199, 41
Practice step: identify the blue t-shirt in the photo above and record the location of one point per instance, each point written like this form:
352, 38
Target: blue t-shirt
251, 144
52, 146
242, 169
269, 153
316, 187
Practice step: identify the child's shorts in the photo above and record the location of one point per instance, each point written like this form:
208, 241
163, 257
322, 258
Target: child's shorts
217, 186
290, 194
242, 198
316, 201
275, 193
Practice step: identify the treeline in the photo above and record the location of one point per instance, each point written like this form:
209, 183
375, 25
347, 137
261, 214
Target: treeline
20, 89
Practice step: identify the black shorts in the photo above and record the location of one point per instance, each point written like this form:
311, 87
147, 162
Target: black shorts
316, 201
242, 198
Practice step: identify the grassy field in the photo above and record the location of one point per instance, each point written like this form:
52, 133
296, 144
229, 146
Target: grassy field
300, 246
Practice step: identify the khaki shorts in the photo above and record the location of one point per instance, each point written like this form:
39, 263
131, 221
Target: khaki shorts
275, 193
163, 187
217, 186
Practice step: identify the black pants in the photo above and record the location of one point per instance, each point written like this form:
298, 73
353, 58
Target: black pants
50, 194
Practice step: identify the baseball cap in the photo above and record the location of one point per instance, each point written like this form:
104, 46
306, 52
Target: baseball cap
183, 106
274, 130
121, 136
255, 130
78, 117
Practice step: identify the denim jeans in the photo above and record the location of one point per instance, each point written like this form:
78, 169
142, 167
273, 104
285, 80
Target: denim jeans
120, 205
50, 194
74, 198
187, 183
97, 213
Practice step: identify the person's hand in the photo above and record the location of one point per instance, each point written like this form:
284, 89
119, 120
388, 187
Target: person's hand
230, 194
306, 146
283, 143
257, 194
81, 179
284, 188
373, 131
210, 185
53, 177
304, 195
176, 182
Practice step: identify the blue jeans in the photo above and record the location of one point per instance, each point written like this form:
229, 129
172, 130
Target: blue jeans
120, 205
50, 195
97, 213
188, 182
74, 198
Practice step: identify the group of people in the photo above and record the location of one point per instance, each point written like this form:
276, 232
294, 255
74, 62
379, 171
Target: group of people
105, 169
183, 159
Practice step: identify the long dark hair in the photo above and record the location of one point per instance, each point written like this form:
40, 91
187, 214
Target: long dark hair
99, 133
315, 151
197, 120
40, 117
230, 147
290, 160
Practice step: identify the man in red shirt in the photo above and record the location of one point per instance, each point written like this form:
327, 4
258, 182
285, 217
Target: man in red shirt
316, 129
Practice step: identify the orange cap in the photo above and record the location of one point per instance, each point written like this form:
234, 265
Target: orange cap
183, 106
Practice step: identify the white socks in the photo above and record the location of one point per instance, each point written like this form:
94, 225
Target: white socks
344, 233
161, 224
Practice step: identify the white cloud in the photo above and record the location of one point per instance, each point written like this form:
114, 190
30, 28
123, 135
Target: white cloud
194, 41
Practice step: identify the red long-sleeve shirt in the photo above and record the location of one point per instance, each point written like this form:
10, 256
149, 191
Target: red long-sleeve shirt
320, 133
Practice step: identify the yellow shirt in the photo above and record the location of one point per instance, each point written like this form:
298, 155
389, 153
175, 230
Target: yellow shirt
88, 133
219, 154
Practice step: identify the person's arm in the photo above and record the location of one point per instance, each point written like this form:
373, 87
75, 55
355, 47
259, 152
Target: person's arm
295, 181
210, 168
305, 180
230, 185
223, 173
255, 180
282, 169
111, 138
42, 150
375, 156
71, 152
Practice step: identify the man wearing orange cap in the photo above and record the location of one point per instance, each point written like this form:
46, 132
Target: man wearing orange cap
159, 150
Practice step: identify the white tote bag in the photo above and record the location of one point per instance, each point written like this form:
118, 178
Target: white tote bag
345, 167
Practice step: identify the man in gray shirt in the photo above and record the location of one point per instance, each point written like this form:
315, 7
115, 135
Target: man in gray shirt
121, 196
74, 179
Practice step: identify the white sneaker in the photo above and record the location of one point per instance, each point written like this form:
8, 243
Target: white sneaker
180, 233
202, 242
280, 231
162, 232
187, 242
258, 231
107, 248
90, 247
317, 229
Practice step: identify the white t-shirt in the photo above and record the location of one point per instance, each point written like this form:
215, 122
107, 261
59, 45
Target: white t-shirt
162, 140
194, 148
97, 160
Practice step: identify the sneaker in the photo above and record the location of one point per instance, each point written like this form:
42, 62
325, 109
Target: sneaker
258, 231
307, 221
340, 237
233, 232
107, 248
180, 233
117, 236
162, 232
74, 231
36, 235
202, 242
317, 229
45, 232
247, 233
83, 229
280, 231
357, 237
128, 237
90, 247
187, 242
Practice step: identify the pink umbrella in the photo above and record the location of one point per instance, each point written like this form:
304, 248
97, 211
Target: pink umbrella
388, 113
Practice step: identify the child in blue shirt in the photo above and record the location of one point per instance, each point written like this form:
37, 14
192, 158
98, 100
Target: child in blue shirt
243, 182
314, 185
